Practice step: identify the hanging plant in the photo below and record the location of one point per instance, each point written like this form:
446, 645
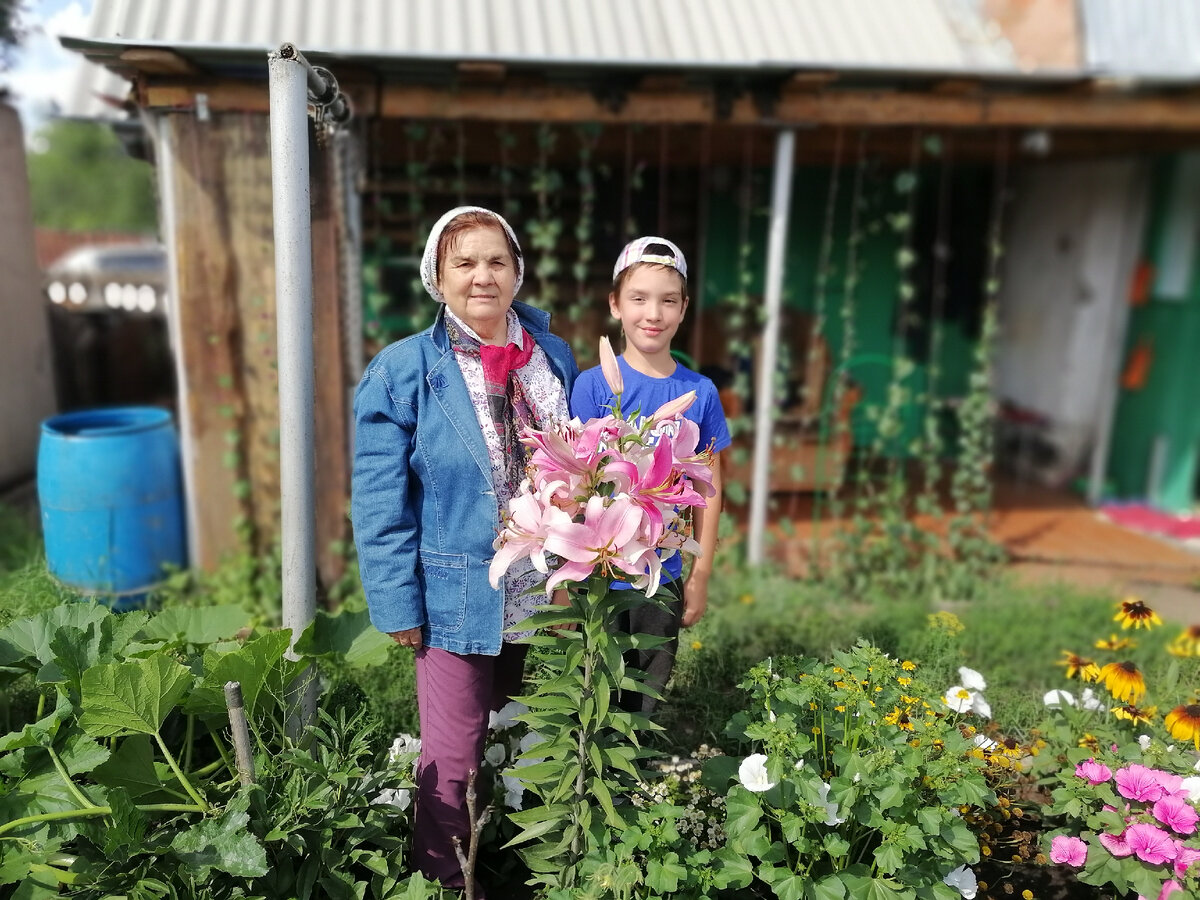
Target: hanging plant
547, 228
510, 206
589, 136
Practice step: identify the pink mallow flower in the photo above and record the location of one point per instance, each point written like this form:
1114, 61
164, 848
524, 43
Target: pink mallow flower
1150, 844
1093, 772
1168, 888
1176, 813
1184, 857
1136, 782
1116, 844
1069, 851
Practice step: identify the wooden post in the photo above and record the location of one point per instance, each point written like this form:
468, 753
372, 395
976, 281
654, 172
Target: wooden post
240, 731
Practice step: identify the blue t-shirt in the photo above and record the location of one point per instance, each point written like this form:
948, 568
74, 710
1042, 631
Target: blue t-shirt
643, 394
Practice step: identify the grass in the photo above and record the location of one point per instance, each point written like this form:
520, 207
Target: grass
1012, 633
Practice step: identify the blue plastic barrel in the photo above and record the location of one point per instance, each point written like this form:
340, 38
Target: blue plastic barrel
112, 513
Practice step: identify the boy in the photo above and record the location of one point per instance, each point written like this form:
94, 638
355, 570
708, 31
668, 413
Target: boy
649, 298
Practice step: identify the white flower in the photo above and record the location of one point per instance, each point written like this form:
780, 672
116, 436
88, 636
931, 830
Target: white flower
514, 792
1192, 786
962, 699
528, 742
1089, 701
963, 880
494, 754
405, 743
506, 717
971, 679
770, 716
985, 743
1144, 740
799, 764
831, 808
1058, 698
958, 698
401, 798
857, 777
752, 773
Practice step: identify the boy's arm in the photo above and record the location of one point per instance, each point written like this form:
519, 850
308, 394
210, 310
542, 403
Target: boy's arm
706, 523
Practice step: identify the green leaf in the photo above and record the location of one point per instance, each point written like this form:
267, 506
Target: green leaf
80, 754
743, 812
348, 636
863, 887
601, 792
664, 876
25, 643
732, 870
40, 733
132, 768
195, 625
828, 888
127, 827
888, 858
718, 772
256, 664
132, 697
222, 843
789, 887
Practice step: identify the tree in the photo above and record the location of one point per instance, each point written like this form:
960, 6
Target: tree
11, 30
81, 179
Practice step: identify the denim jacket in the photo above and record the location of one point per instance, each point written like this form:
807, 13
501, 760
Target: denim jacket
423, 506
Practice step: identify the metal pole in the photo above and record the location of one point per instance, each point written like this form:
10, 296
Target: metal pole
294, 322
764, 395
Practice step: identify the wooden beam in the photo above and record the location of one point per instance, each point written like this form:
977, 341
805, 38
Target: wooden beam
207, 310
331, 401
153, 61
1063, 108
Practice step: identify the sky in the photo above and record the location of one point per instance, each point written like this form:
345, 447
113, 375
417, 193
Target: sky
43, 74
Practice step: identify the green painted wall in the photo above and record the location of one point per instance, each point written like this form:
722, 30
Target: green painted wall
876, 299
1168, 405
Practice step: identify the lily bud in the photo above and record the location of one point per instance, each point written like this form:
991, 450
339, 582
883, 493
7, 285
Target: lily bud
673, 408
609, 367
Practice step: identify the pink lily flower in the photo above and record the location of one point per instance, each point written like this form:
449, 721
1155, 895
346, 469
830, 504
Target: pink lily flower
525, 530
610, 369
607, 537
697, 466
673, 408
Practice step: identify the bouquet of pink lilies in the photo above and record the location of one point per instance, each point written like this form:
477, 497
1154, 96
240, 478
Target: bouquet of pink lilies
603, 496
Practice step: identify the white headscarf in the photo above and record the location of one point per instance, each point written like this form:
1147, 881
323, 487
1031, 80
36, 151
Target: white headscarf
429, 261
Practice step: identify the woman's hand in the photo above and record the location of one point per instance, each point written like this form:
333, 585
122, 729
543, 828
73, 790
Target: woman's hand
410, 638
560, 598
695, 598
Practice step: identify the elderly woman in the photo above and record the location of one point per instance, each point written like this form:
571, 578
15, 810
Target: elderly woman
437, 456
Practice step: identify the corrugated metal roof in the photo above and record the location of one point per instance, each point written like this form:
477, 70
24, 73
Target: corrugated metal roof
918, 34
1142, 38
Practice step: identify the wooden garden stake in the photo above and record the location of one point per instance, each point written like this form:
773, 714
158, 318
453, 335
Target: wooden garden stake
466, 861
241, 732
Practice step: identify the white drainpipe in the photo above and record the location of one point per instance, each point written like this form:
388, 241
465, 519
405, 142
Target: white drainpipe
764, 395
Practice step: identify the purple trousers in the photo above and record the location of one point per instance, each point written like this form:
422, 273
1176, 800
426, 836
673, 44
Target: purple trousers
455, 694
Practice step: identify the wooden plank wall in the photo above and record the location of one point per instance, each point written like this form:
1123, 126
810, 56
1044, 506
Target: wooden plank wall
225, 253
